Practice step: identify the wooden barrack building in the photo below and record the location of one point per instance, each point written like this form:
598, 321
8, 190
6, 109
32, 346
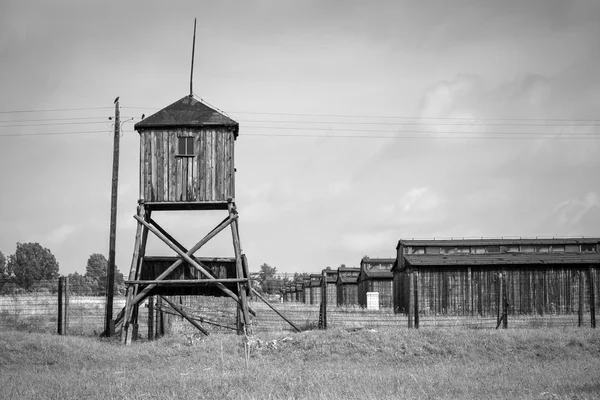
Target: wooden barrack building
461, 277
376, 276
347, 286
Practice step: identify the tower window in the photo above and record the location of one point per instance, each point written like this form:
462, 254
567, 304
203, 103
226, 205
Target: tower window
185, 146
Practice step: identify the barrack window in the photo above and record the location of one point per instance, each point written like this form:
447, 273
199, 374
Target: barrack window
185, 146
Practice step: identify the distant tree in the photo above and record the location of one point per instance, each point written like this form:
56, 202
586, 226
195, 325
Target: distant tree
267, 279
342, 265
32, 263
3, 269
4, 276
96, 267
2, 265
95, 275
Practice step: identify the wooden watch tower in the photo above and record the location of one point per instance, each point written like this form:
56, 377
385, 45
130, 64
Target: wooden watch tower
186, 163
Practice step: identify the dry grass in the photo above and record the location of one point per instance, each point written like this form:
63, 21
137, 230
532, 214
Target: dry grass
334, 364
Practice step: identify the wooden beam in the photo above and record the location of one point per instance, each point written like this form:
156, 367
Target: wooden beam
177, 263
189, 259
185, 282
184, 315
239, 268
171, 238
201, 319
125, 335
273, 308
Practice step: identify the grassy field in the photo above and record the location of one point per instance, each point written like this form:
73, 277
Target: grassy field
333, 364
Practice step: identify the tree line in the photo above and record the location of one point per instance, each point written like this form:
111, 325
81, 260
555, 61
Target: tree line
33, 268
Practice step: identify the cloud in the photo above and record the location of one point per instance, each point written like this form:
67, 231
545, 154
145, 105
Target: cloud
373, 242
418, 205
60, 234
572, 212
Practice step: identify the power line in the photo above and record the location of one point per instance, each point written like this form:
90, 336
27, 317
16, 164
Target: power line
425, 137
473, 119
422, 132
54, 110
483, 120
50, 133
472, 123
53, 119
438, 135
54, 124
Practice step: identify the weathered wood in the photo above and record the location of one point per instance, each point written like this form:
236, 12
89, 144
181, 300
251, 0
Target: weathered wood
167, 234
172, 166
189, 260
581, 303
155, 160
224, 224
184, 282
165, 170
416, 294
592, 295
160, 160
239, 268
150, 317
179, 168
60, 305
195, 171
410, 305
184, 315
125, 334
209, 165
190, 183
203, 320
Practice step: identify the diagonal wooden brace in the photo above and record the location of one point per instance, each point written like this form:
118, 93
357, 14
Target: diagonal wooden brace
190, 261
224, 224
184, 315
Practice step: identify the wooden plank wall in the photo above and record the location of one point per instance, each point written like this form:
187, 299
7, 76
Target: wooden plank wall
385, 289
166, 177
331, 294
474, 291
307, 294
383, 286
347, 294
315, 295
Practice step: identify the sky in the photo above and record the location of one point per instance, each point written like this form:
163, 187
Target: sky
361, 123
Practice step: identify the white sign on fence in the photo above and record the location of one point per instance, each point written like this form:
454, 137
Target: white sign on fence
372, 300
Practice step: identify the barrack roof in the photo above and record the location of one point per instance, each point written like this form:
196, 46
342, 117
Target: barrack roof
502, 259
495, 241
187, 112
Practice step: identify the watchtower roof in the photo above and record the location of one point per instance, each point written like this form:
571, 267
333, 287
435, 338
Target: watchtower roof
187, 112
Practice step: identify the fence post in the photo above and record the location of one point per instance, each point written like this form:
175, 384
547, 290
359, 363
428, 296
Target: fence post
581, 305
416, 285
66, 316
499, 298
409, 308
324, 297
592, 297
60, 306
505, 300
150, 317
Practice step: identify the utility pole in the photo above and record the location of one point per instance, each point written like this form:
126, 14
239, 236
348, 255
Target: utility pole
110, 273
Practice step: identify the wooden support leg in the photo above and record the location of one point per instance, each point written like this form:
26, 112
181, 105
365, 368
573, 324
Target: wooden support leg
242, 287
224, 224
150, 317
134, 322
125, 332
191, 261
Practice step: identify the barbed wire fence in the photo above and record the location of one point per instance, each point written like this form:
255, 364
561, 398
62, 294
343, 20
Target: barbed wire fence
507, 302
